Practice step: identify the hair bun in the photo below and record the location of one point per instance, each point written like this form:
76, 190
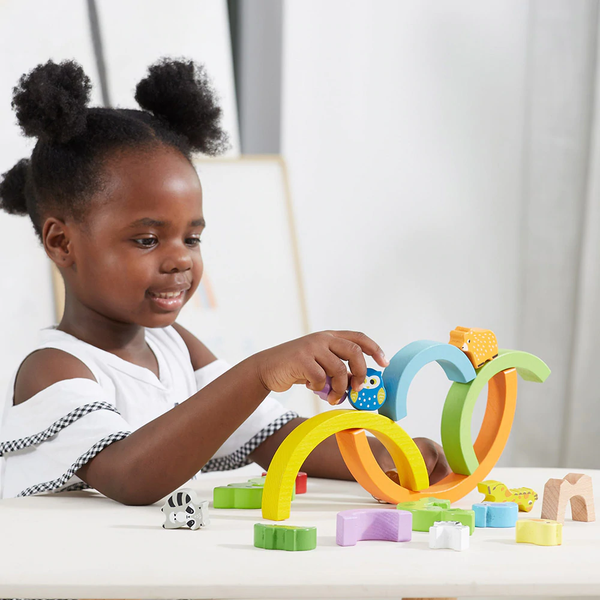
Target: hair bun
51, 101
180, 93
12, 189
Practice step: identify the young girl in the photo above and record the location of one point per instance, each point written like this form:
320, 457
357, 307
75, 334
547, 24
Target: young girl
118, 396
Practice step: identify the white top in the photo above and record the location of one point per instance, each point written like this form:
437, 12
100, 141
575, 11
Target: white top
46, 439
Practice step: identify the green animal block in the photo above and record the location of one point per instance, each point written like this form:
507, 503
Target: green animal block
427, 511
240, 495
285, 537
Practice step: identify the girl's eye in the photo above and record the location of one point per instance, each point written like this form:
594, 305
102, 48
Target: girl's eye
194, 241
146, 242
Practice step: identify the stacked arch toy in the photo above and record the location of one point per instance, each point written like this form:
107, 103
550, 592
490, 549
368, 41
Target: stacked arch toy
470, 462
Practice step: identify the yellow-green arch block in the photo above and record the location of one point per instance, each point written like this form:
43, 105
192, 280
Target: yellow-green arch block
460, 402
292, 453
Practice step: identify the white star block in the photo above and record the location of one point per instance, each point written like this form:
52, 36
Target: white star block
449, 534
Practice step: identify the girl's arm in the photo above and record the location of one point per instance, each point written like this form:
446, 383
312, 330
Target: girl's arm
163, 454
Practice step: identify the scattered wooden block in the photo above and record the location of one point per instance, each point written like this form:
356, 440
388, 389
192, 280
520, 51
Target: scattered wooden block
575, 487
301, 482
183, 509
541, 532
241, 495
373, 524
496, 514
449, 534
426, 511
285, 537
497, 492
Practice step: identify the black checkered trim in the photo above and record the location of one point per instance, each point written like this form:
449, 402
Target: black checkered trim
42, 436
239, 458
49, 486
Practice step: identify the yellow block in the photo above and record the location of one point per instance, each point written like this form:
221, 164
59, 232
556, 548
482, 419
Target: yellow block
292, 453
542, 532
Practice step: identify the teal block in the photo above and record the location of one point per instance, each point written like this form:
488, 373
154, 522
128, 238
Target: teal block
406, 363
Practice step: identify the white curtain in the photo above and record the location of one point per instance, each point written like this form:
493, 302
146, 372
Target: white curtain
558, 423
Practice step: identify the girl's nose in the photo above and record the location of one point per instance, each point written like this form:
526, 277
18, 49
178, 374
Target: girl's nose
177, 259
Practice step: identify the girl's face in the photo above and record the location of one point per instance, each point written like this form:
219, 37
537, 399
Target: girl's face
137, 259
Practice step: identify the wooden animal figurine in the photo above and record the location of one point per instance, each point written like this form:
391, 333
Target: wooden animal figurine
480, 345
426, 511
373, 395
495, 514
449, 534
373, 524
575, 487
285, 537
541, 532
497, 492
241, 495
184, 509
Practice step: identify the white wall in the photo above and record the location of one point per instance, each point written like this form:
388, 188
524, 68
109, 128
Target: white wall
402, 126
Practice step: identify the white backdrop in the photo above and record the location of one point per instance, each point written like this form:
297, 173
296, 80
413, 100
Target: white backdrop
402, 128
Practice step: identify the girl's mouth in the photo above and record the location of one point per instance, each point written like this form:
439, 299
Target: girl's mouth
169, 300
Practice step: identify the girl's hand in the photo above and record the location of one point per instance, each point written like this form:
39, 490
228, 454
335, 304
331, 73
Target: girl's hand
309, 359
435, 461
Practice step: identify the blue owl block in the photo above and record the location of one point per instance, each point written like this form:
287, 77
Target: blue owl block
496, 514
373, 395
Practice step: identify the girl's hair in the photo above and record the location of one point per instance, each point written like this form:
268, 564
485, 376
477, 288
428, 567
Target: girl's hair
74, 141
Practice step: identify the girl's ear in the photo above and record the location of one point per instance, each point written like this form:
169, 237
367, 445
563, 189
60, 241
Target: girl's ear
57, 242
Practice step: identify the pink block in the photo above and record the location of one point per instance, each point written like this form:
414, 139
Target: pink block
386, 524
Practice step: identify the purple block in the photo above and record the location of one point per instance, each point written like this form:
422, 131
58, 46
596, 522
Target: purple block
325, 392
373, 524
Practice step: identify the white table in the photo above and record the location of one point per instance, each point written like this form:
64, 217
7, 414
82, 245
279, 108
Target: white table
83, 545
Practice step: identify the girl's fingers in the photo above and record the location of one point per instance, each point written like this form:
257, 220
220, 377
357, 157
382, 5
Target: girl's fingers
338, 373
351, 352
368, 346
316, 377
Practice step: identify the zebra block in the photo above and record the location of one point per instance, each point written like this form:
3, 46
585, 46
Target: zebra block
496, 514
449, 534
285, 537
184, 509
373, 524
542, 532
426, 511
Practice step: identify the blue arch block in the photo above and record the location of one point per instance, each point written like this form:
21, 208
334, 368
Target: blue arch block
406, 363
496, 514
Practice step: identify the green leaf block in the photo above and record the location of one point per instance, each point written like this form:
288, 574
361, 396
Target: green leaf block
240, 495
285, 537
427, 511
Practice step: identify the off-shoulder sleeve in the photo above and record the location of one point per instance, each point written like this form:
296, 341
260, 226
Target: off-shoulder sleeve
270, 416
46, 439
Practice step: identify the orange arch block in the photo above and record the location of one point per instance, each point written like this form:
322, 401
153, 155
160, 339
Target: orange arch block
492, 438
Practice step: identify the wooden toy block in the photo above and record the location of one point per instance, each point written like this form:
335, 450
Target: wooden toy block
426, 511
241, 495
373, 524
303, 439
325, 392
480, 345
285, 537
301, 482
184, 509
449, 534
373, 395
497, 492
496, 514
463, 456
408, 361
542, 532
576, 488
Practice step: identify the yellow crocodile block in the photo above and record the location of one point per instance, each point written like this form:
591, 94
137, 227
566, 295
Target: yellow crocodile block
541, 532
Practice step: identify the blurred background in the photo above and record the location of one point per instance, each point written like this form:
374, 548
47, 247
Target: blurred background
442, 168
